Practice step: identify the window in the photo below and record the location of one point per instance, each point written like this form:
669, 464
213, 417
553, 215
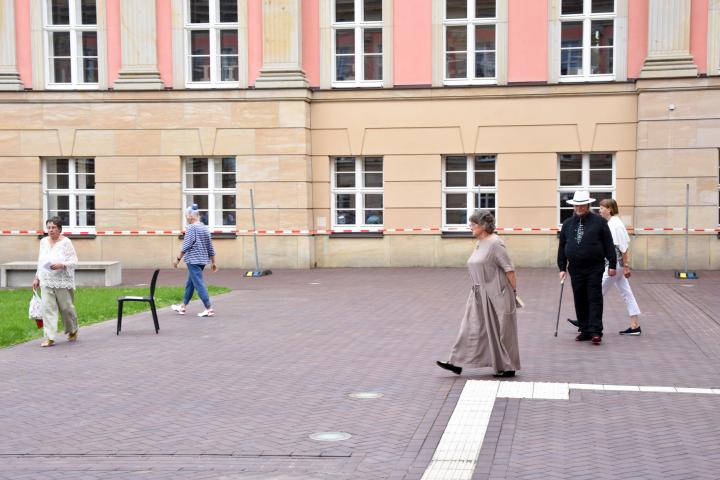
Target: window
594, 172
357, 43
69, 191
211, 28
357, 191
71, 43
469, 183
210, 183
470, 41
587, 40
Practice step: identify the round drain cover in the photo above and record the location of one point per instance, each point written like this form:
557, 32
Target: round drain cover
330, 436
366, 395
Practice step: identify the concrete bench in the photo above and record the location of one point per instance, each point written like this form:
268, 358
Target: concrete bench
87, 274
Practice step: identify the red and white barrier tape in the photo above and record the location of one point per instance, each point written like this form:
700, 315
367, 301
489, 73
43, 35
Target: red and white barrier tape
287, 231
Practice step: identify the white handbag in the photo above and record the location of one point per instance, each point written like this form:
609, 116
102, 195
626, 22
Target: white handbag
35, 309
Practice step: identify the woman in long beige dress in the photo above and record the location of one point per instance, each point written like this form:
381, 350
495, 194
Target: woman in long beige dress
488, 332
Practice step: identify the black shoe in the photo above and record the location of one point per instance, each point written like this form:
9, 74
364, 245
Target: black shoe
583, 337
574, 323
449, 366
631, 331
505, 374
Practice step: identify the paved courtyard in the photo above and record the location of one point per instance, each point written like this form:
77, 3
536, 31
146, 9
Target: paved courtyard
237, 396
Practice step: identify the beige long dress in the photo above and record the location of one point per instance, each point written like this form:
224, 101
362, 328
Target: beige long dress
488, 332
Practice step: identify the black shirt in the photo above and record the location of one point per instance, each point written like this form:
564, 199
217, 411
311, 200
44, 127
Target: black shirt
595, 247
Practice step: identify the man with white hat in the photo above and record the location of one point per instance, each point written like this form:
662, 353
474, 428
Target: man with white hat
585, 244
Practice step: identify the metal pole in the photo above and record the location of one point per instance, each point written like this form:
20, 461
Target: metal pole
252, 208
687, 216
557, 322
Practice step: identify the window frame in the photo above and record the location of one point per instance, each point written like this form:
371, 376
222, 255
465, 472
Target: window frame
359, 190
214, 26
75, 30
210, 191
470, 191
585, 181
358, 27
587, 17
72, 192
470, 22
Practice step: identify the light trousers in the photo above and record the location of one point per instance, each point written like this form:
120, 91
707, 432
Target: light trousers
623, 286
54, 301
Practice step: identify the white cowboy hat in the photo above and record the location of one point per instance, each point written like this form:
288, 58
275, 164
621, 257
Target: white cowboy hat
581, 197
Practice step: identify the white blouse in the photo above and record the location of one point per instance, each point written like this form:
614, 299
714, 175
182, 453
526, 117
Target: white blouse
621, 239
62, 252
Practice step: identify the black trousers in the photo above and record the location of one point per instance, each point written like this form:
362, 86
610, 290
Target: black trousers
587, 293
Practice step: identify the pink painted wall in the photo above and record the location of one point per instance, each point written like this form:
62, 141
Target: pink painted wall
255, 40
637, 36
412, 42
698, 33
527, 40
23, 53
311, 41
114, 60
163, 12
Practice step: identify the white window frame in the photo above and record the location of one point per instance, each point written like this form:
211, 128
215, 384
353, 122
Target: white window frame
72, 192
75, 29
470, 190
359, 190
585, 177
210, 192
358, 26
470, 22
214, 26
586, 18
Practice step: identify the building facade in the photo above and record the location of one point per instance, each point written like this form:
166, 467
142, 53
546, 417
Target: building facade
367, 130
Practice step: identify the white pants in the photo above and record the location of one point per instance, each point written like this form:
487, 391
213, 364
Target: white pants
623, 286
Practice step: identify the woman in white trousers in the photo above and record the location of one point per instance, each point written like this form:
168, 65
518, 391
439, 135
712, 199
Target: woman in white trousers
609, 211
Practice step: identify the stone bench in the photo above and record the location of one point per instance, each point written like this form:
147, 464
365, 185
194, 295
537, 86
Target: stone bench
87, 274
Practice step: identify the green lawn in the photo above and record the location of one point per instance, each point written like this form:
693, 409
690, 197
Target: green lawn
93, 305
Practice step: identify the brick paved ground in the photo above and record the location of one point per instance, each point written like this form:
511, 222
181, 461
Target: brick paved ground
236, 396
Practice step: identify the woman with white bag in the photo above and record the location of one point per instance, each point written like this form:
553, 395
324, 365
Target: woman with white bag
56, 278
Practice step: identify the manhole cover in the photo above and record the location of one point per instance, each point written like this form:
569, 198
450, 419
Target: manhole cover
366, 395
330, 436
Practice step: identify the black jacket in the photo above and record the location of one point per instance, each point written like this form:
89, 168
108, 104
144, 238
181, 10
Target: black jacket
596, 245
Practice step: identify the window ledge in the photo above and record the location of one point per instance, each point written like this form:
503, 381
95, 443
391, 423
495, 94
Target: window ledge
357, 235
446, 234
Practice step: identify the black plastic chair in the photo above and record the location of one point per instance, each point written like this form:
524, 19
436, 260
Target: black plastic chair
150, 300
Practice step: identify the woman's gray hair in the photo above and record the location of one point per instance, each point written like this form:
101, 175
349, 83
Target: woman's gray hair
192, 211
485, 219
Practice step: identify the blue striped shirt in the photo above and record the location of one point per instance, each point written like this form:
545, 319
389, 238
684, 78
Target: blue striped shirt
197, 245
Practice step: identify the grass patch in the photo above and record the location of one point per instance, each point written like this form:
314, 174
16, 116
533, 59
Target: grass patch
93, 305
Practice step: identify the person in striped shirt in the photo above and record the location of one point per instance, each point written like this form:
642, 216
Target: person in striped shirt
197, 250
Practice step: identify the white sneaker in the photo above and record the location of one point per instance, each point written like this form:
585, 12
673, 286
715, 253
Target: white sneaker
179, 309
209, 312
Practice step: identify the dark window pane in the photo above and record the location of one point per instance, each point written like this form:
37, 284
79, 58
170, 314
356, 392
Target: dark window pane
603, 6
228, 11
58, 202
373, 217
571, 34
199, 11
226, 180
601, 177
373, 164
373, 67
227, 202
344, 10
455, 200
456, 9
600, 160
229, 68
455, 179
456, 217
456, 39
571, 62
373, 10
344, 41
88, 13
90, 70
601, 61
572, 7
202, 201
345, 67
200, 42
485, 65
345, 164
228, 164
345, 180
373, 180
61, 44
374, 201
89, 44
58, 181
229, 42
85, 218
485, 37
570, 160
570, 177
345, 217
345, 200
228, 218
456, 65
200, 69
85, 165
198, 180
60, 12
85, 181
602, 33
485, 162
61, 70
487, 202
197, 165
372, 40
456, 164
484, 8
485, 179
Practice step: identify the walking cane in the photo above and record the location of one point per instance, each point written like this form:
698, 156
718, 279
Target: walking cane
557, 322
